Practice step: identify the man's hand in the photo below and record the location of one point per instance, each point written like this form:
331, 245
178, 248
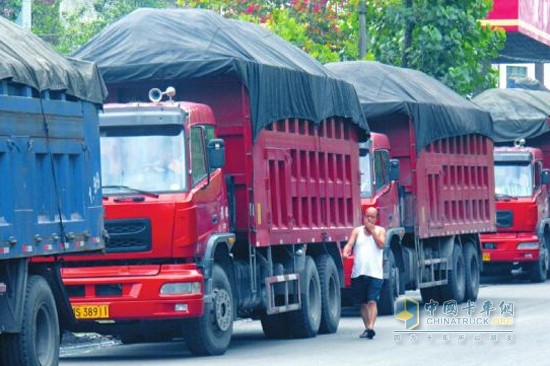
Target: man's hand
370, 227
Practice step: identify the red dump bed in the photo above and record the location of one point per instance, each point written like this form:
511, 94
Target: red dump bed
448, 185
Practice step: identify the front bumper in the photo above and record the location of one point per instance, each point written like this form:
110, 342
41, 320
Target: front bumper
133, 292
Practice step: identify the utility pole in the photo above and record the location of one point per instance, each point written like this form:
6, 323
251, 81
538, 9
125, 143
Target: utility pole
26, 14
409, 25
362, 30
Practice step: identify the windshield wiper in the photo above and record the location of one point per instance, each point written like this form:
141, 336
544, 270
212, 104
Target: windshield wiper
145, 193
505, 196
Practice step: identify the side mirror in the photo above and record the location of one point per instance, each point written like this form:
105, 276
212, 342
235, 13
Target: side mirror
216, 153
394, 169
545, 176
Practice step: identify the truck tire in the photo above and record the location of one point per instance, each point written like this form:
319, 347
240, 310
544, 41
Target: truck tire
389, 290
455, 289
38, 342
472, 272
539, 269
210, 334
304, 323
274, 326
331, 300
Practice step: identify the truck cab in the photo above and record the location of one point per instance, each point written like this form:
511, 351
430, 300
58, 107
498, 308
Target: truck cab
521, 194
164, 197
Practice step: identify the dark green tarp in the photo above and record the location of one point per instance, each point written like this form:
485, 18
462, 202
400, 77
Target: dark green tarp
26, 59
436, 111
171, 44
517, 113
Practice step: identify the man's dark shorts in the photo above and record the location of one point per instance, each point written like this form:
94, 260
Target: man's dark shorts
366, 289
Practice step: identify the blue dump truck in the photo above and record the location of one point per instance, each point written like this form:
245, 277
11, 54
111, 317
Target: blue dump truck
50, 189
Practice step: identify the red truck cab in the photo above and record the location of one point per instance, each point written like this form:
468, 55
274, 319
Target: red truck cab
156, 186
521, 194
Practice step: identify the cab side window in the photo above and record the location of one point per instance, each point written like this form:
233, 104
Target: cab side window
198, 160
381, 168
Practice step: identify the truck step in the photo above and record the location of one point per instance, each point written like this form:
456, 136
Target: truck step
286, 282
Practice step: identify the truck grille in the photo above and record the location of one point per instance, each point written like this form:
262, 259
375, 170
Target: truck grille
128, 235
505, 218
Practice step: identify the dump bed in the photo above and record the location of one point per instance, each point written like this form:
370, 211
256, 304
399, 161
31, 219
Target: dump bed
442, 141
49, 163
448, 185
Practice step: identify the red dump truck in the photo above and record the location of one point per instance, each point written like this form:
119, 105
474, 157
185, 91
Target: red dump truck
254, 235
521, 132
428, 169
50, 194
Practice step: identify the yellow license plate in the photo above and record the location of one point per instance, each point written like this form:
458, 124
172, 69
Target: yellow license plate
91, 311
486, 257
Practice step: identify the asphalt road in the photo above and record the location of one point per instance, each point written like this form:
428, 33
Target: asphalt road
524, 342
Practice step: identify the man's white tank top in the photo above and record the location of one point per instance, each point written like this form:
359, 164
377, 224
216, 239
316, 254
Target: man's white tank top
367, 257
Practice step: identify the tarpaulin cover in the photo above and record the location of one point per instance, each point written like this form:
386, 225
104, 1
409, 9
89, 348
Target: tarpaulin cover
26, 59
437, 111
517, 113
170, 44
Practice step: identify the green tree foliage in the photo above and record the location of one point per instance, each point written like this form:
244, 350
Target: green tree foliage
447, 40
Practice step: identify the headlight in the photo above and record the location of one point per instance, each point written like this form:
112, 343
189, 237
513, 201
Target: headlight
528, 246
183, 288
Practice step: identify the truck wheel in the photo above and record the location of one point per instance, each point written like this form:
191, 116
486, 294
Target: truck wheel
38, 342
331, 301
471, 267
389, 289
304, 323
274, 326
210, 334
455, 289
539, 268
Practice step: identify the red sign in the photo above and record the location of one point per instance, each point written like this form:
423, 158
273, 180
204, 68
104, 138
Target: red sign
529, 17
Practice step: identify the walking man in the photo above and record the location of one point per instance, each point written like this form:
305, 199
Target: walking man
367, 276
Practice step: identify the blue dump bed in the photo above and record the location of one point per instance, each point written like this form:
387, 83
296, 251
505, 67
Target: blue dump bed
50, 190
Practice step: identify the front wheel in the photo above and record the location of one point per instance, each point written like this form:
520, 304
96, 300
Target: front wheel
38, 342
210, 334
539, 268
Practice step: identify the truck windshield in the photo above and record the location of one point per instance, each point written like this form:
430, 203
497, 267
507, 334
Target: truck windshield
366, 175
147, 158
514, 180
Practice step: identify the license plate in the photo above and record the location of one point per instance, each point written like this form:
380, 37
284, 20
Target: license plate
486, 257
91, 311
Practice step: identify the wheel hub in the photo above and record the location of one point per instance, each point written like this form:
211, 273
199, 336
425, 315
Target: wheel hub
222, 309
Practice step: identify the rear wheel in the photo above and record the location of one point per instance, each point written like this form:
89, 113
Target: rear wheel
331, 302
210, 334
38, 342
455, 288
389, 289
304, 323
472, 269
